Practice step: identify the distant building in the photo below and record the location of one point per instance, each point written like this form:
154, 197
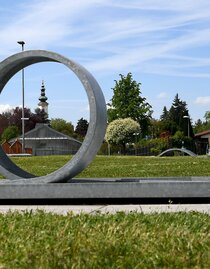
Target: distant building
14, 147
43, 139
202, 141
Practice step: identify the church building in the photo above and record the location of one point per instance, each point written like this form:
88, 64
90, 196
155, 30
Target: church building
43, 139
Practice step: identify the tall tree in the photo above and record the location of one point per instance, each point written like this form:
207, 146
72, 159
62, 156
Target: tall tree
127, 102
165, 114
177, 118
165, 122
81, 128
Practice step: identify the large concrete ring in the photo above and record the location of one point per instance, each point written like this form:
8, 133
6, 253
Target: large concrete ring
97, 124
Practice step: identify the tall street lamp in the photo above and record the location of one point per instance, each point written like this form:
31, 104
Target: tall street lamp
136, 136
188, 125
22, 43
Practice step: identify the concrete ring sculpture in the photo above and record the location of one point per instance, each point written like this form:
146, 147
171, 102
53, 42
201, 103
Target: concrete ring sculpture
97, 124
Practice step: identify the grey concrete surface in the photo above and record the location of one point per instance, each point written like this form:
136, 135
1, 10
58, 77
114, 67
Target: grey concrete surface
112, 209
110, 189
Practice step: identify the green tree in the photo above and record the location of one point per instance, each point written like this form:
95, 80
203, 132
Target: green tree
207, 116
177, 118
41, 116
9, 133
4, 122
81, 128
165, 122
165, 114
121, 131
198, 126
62, 126
155, 128
201, 126
127, 102
13, 118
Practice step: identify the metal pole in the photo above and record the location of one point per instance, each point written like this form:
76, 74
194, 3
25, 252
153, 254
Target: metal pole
188, 124
136, 134
22, 43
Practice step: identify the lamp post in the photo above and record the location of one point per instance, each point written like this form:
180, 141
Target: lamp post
22, 43
188, 125
136, 135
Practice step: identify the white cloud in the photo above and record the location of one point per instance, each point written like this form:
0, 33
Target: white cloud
4, 108
42, 23
162, 95
118, 37
203, 100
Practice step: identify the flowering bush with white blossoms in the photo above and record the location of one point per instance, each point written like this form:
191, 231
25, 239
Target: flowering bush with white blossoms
121, 131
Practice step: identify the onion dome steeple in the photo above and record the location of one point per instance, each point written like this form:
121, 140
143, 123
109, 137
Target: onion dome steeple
42, 97
43, 105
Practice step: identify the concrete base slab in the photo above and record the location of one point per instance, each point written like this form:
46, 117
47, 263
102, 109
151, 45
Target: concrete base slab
136, 188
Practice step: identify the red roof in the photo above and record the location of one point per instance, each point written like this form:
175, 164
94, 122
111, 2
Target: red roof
202, 133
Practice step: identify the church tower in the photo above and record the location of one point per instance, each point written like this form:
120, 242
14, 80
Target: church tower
43, 104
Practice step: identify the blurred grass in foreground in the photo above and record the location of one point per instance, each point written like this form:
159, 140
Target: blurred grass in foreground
43, 240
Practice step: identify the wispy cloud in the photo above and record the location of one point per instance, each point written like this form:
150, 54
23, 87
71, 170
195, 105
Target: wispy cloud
203, 100
162, 95
41, 23
119, 35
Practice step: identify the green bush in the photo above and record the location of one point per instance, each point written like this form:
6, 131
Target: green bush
156, 145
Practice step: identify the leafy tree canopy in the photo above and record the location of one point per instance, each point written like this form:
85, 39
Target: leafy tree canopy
127, 102
201, 126
207, 116
62, 126
13, 118
9, 133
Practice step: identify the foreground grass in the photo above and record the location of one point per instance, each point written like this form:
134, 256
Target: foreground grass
43, 240
122, 166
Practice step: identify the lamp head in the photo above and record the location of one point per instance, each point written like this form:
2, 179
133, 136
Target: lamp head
21, 42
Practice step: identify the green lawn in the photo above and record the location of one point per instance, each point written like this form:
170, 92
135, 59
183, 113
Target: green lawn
122, 166
40, 240
135, 240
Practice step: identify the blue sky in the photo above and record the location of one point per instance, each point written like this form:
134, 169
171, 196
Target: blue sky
164, 44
